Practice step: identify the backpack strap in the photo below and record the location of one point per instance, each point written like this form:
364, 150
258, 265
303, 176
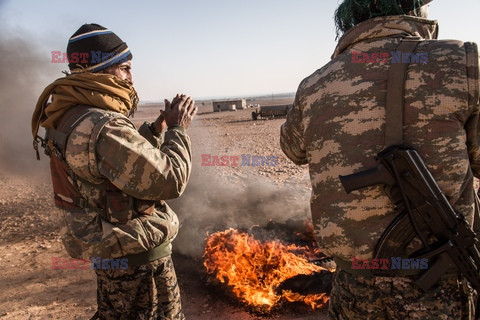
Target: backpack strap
471, 51
56, 139
397, 75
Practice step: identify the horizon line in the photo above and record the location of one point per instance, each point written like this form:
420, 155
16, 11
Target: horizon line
231, 97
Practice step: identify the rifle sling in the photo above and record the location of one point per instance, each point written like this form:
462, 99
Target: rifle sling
397, 75
400, 232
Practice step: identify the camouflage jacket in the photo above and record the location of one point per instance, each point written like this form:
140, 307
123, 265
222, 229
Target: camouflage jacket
105, 147
337, 127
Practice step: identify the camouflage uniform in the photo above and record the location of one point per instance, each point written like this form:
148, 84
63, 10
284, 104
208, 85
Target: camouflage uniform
105, 148
363, 297
337, 126
142, 292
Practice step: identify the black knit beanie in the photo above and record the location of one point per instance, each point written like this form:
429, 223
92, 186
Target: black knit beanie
93, 48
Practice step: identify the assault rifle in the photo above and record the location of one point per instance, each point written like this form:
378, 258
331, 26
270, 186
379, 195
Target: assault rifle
424, 210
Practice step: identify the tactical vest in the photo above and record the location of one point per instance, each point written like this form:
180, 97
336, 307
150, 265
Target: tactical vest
114, 206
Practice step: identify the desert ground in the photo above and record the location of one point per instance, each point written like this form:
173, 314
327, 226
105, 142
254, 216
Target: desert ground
217, 198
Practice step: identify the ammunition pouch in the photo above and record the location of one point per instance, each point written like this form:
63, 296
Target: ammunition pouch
65, 194
120, 207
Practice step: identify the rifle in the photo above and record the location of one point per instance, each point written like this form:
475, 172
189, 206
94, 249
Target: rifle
424, 208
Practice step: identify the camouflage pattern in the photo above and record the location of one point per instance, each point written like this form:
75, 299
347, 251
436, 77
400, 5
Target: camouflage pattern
359, 298
337, 127
106, 148
146, 292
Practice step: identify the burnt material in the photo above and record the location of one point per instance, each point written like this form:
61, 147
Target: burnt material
316, 283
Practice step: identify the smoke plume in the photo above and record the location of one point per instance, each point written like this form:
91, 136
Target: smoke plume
25, 70
214, 202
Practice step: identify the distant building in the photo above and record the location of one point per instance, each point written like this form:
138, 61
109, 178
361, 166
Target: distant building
229, 105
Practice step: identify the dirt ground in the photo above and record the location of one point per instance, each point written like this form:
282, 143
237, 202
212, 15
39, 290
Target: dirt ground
29, 228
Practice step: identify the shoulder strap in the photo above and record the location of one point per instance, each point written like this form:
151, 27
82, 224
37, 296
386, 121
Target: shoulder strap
471, 51
472, 58
395, 94
71, 119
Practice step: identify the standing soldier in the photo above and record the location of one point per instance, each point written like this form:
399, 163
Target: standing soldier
337, 126
110, 179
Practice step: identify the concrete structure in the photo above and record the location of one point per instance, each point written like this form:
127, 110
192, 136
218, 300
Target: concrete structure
229, 105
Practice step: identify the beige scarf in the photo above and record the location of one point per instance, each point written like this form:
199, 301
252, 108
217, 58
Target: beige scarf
99, 90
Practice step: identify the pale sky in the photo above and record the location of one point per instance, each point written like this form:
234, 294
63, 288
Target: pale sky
210, 48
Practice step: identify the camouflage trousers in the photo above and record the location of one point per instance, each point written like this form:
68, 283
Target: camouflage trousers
363, 297
144, 292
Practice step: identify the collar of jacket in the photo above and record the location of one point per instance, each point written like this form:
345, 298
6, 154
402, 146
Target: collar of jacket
386, 27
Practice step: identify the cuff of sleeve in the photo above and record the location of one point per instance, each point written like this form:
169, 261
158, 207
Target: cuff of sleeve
152, 129
177, 127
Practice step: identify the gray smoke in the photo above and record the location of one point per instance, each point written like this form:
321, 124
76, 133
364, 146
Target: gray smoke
25, 71
214, 202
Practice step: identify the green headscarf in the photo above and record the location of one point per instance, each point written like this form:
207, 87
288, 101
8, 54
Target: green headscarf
351, 12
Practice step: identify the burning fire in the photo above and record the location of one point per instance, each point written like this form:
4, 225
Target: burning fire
255, 269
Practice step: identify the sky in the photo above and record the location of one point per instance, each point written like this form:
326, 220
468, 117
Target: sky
208, 48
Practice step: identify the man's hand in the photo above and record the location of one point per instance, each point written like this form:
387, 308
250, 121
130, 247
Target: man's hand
159, 125
180, 112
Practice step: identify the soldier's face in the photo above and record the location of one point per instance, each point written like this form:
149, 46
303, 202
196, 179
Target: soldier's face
122, 70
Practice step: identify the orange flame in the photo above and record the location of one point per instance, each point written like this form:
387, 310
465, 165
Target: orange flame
254, 270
